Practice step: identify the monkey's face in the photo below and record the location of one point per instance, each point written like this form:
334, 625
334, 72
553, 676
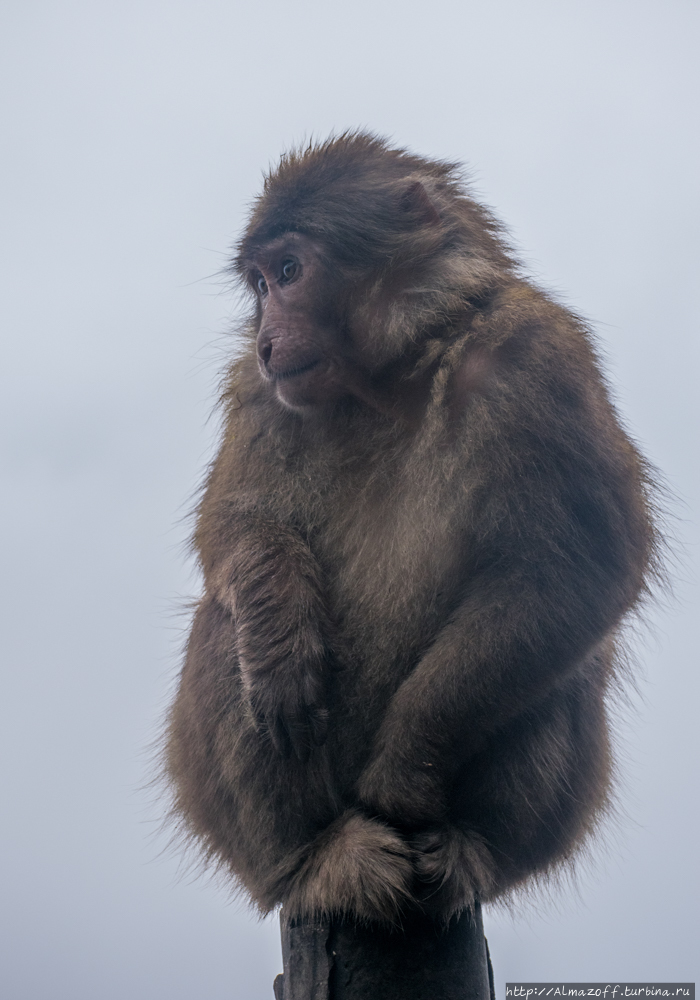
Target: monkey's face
299, 342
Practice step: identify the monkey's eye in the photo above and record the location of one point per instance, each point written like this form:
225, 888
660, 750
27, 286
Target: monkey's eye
262, 285
290, 269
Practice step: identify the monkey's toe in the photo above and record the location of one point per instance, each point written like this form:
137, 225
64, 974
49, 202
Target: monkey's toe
453, 868
358, 867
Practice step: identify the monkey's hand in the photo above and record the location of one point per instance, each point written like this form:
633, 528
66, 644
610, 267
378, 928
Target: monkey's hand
288, 704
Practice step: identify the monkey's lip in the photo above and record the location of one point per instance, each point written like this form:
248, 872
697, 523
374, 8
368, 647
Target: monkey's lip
294, 372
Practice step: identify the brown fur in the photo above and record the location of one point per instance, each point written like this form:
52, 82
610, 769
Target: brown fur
419, 540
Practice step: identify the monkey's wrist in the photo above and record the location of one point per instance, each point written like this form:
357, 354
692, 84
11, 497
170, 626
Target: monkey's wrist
407, 797
271, 649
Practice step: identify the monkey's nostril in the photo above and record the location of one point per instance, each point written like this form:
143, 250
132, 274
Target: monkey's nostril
265, 352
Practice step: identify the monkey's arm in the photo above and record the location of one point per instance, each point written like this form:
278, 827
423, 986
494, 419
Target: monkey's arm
500, 653
271, 584
559, 545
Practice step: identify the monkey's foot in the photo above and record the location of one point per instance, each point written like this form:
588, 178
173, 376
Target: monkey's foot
454, 868
358, 866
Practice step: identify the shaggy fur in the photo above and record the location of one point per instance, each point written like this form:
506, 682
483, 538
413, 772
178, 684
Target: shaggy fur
419, 540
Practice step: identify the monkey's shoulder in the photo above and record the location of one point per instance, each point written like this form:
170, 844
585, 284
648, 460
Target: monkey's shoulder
533, 360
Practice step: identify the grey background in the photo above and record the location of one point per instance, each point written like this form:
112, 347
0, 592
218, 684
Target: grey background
133, 135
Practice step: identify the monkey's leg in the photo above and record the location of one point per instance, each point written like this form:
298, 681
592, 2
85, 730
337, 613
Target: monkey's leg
524, 804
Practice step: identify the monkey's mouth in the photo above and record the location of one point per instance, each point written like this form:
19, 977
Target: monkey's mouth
289, 373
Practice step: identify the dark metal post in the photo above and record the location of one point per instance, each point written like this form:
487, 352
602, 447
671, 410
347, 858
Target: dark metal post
341, 960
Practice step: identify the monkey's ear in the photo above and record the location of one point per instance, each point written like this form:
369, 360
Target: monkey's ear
416, 200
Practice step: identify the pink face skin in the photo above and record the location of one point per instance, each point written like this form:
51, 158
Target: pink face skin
305, 347
298, 343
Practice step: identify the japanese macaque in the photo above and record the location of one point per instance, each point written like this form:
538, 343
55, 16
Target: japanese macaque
419, 539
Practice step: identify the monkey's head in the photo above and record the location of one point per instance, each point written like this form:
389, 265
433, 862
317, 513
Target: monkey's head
357, 255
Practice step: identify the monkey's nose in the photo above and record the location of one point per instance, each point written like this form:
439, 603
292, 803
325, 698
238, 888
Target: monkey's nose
265, 346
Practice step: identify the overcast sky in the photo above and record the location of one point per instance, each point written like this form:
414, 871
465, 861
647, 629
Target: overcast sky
133, 135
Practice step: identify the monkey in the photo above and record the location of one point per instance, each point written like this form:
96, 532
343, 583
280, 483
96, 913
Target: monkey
419, 541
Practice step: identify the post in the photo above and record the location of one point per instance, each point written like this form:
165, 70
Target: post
341, 960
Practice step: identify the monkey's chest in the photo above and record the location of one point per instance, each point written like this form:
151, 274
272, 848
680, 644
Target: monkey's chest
393, 565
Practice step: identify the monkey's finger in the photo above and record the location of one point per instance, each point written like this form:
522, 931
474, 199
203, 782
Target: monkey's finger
279, 736
318, 721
